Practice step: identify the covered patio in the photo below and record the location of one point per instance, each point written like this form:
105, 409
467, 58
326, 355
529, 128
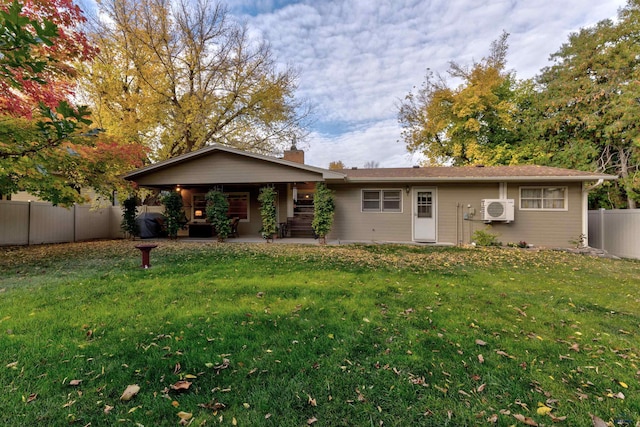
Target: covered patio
240, 176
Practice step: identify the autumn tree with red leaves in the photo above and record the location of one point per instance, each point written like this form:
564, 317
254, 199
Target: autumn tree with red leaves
46, 144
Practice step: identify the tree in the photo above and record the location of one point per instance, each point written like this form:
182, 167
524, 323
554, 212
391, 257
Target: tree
337, 165
372, 164
46, 146
589, 103
217, 210
179, 75
324, 207
473, 123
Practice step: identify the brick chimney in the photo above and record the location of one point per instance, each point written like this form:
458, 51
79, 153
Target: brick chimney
294, 155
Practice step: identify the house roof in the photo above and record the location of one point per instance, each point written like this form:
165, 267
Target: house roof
206, 151
515, 173
472, 173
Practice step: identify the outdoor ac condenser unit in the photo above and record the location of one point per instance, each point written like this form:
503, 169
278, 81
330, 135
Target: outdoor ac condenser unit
497, 209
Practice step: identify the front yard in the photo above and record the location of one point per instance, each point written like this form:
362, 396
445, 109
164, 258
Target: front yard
285, 335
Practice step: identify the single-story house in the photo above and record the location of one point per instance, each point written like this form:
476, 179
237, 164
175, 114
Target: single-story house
543, 206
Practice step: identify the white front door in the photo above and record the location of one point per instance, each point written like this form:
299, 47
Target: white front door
424, 215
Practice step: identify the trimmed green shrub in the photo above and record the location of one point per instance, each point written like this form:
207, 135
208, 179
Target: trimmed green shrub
175, 218
324, 208
267, 199
129, 224
485, 237
217, 210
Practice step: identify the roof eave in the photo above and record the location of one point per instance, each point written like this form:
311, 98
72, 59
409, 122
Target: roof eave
482, 178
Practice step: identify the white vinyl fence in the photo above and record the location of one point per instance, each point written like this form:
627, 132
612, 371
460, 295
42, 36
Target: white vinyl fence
33, 223
616, 231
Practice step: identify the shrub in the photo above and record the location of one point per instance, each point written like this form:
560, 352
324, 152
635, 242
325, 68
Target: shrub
217, 209
129, 224
175, 218
324, 207
485, 237
267, 199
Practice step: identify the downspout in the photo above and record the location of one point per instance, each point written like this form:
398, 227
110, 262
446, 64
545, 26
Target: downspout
585, 209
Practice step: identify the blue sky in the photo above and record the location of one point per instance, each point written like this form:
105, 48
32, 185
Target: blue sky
358, 58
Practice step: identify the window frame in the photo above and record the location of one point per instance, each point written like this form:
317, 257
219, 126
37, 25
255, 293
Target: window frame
542, 198
381, 200
248, 196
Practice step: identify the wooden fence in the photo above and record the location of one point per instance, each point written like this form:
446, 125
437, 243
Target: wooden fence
616, 231
33, 223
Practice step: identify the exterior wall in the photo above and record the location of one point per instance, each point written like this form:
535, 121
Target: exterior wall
226, 168
455, 202
350, 223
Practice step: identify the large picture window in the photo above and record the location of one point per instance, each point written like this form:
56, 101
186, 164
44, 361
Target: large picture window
381, 201
543, 198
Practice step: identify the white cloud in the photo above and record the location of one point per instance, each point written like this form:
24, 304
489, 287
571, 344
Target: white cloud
357, 58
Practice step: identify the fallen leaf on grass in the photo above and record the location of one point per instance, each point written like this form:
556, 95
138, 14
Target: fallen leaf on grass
69, 403
312, 420
311, 401
12, 365
130, 392
543, 410
480, 342
480, 358
214, 406
619, 395
181, 385
107, 409
32, 397
75, 382
598, 422
185, 415
502, 353
526, 420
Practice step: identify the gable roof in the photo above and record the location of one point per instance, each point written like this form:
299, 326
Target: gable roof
472, 173
199, 155
172, 171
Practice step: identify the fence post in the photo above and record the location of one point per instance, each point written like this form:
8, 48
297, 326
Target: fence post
602, 228
29, 224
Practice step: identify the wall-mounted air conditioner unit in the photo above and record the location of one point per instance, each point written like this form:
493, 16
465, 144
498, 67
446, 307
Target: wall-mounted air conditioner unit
497, 209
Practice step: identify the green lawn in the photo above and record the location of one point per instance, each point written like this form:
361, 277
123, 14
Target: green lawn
285, 335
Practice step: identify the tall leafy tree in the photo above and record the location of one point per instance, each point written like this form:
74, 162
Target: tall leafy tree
475, 122
178, 75
589, 103
46, 147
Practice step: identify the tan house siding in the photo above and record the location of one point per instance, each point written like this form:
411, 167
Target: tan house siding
454, 202
224, 168
350, 223
544, 228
